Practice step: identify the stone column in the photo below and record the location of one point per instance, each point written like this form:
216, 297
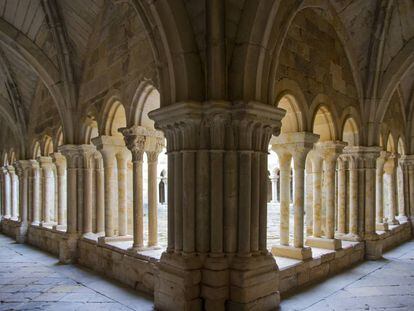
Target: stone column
341, 196
122, 164
88, 198
411, 186
381, 223
353, 198
23, 168
274, 180
309, 196
298, 146
329, 152
13, 192
152, 157
100, 199
2, 212
135, 141
6, 193
35, 201
60, 163
234, 137
317, 162
402, 216
110, 146
48, 193
391, 169
285, 159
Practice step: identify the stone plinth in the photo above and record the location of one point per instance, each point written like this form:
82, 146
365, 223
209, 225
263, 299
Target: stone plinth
332, 244
301, 253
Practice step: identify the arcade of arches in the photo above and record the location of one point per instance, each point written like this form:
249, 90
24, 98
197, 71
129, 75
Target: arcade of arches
214, 154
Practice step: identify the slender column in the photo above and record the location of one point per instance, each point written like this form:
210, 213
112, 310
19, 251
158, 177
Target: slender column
48, 197
411, 187
110, 185
152, 198
100, 199
13, 192
400, 189
393, 207
329, 178
379, 196
370, 159
23, 174
285, 167
353, 196
317, 194
309, 196
341, 196
299, 160
135, 142
60, 163
122, 161
7, 194
88, 200
35, 192
274, 179
1, 194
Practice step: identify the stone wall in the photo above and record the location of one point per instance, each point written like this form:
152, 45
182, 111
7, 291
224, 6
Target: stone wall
135, 271
45, 239
396, 236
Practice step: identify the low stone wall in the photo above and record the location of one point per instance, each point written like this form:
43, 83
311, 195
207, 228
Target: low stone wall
318, 268
8, 227
395, 236
45, 239
136, 271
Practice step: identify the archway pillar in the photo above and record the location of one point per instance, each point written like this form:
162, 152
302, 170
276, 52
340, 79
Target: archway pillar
6, 193
14, 193
390, 168
75, 158
35, 193
342, 191
217, 158
329, 151
48, 190
381, 221
113, 148
296, 146
410, 178
23, 171
401, 190
60, 163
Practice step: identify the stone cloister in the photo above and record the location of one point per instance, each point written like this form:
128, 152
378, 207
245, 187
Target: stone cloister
213, 154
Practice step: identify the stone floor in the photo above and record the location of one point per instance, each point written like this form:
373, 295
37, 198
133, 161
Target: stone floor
33, 280
387, 284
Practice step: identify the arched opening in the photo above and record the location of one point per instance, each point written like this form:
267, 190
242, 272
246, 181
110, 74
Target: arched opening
350, 132
292, 122
47, 146
114, 120
36, 150
323, 124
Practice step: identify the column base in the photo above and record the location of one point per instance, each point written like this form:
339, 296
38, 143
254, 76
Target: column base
332, 244
381, 226
393, 222
68, 249
178, 284
21, 232
373, 247
300, 253
104, 239
215, 282
352, 237
59, 227
254, 283
402, 219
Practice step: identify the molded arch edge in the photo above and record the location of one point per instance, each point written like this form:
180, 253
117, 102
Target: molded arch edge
324, 101
351, 113
174, 49
260, 55
20, 45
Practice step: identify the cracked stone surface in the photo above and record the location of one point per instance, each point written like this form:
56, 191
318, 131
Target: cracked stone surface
33, 280
387, 284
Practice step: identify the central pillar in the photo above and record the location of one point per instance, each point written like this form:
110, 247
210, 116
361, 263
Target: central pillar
341, 196
329, 151
152, 157
214, 268
6, 194
296, 145
123, 157
35, 191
